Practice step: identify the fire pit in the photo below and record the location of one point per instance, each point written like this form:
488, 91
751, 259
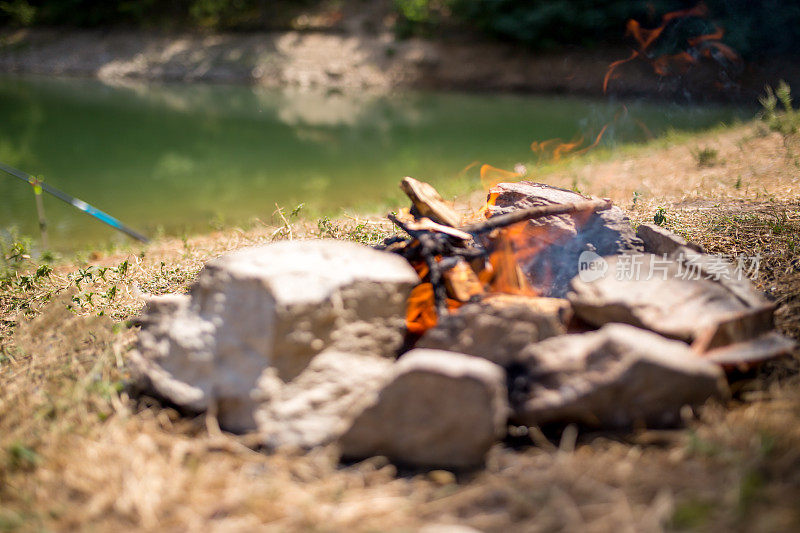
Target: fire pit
548, 311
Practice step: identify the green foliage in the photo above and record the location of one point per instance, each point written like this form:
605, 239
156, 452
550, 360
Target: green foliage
660, 218
220, 14
754, 29
692, 514
19, 12
361, 232
785, 121
22, 457
418, 11
14, 252
706, 156
420, 17
548, 23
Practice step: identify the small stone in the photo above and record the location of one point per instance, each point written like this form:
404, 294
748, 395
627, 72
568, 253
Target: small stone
442, 477
440, 410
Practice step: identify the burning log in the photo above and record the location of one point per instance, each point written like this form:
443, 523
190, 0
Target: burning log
462, 282
476, 251
426, 224
502, 221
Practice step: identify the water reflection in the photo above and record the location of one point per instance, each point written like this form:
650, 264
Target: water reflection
175, 157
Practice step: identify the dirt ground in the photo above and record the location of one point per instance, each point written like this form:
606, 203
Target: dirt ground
79, 449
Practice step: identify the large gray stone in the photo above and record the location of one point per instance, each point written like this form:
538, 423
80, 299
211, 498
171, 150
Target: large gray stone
498, 327
655, 293
440, 409
314, 408
559, 240
275, 307
618, 376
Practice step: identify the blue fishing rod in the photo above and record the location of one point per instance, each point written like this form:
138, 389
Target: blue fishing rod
74, 202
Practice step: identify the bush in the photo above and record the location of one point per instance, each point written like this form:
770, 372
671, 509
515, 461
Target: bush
220, 14
754, 29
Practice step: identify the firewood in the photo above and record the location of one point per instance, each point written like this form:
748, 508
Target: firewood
429, 202
426, 224
462, 283
501, 221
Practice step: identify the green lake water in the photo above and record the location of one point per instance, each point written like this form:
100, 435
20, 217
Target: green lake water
184, 158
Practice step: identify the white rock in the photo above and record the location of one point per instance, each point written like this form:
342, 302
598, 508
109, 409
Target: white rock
440, 409
315, 407
271, 307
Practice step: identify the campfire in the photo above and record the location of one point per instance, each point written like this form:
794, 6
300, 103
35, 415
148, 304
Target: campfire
548, 310
458, 265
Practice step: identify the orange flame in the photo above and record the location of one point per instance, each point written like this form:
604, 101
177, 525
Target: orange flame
491, 176
558, 149
421, 312
421, 306
490, 201
701, 45
507, 275
700, 11
613, 66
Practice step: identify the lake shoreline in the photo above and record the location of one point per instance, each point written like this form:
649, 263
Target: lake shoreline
374, 61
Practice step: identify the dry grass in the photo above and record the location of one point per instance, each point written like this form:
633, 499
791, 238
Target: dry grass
78, 450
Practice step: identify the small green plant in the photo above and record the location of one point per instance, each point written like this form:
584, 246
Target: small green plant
660, 218
691, 514
217, 222
111, 293
326, 229
362, 232
785, 121
43, 271
22, 457
122, 269
705, 156
14, 250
